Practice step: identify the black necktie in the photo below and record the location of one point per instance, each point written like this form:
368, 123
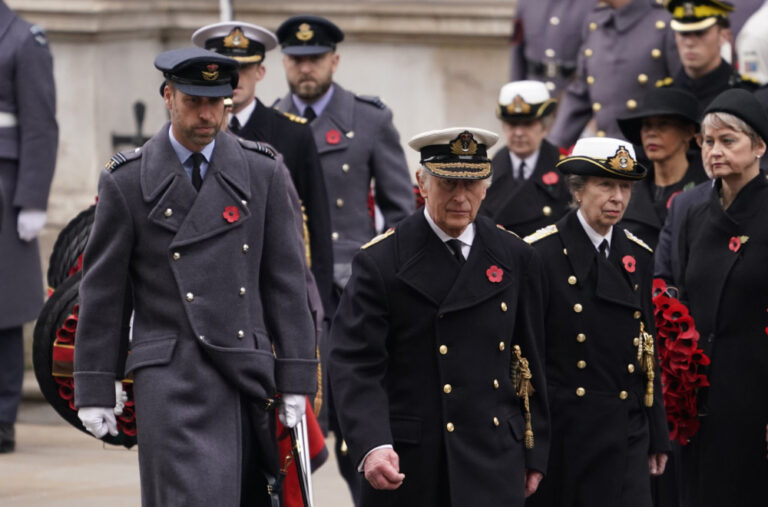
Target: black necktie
234, 125
309, 114
603, 248
455, 246
197, 178
520, 173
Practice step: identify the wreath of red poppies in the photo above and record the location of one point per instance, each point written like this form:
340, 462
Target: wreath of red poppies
681, 362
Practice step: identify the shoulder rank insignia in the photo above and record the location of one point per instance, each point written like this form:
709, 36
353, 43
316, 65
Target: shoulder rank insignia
371, 99
258, 147
384, 235
293, 117
637, 240
121, 158
667, 81
39, 34
501, 227
541, 234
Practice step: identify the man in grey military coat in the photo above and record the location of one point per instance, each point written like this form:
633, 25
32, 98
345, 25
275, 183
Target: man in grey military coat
354, 134
190, 233
29, 137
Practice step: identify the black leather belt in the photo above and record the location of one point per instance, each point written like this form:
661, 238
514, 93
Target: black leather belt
551, 70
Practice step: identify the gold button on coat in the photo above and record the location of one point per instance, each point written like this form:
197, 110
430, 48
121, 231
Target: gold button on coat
496, 421
637, 314
245, 248
241, 334
636, 342
339, 202
450, 427
656, 53
242, 291
596, 107
501, 346
572, 280
503, 306
588, 52
351, 134
190, 296
168, 212
590, 80
642, 78
631, 104
244, 202
581, 337
495, 384
623, 395
345, 168
577, 308
176, 256
631, 368
565, 251
581, 364
443, 350
660, 25
549, 53
580, 391
546, 210
335, 236
593, 26
447, 388
554, 20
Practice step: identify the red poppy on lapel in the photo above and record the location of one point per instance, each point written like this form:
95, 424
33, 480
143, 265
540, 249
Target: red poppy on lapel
333, 136
736, 241
494, 274
231, 214
629, 263
550, 178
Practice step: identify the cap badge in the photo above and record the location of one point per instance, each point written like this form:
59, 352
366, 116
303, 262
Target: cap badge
236, 39
212, 73
464, 144
688, 10
622, 161
519, 106
305, 32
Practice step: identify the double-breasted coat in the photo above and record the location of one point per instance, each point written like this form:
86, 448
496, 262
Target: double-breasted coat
29, 137
623, 54
524, 206
722, 254
220, 311
295, 142
358, 144
421, 355
709, 86
602, 433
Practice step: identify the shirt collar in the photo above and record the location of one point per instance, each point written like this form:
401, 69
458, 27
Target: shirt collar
593, 235
467, 237
184, 153
245, 115
319, 105
530, 162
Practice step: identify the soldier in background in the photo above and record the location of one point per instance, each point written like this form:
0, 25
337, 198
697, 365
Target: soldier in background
701, 28
545, 41
527, 192
29, 138
626, 48
289, 134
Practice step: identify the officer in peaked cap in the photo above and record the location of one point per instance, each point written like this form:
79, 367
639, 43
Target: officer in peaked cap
701, 28
195, 222
419, 370
308, 35
527, 192
251, 119
608, 86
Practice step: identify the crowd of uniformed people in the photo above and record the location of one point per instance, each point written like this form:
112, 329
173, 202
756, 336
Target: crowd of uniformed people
489, 336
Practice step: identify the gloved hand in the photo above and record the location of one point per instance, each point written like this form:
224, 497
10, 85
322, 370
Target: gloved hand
121, 397
29, 223
98, 420
291, 409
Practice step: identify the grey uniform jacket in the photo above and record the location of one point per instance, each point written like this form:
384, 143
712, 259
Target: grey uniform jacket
622, 56
27, 159
220, 310
357, 143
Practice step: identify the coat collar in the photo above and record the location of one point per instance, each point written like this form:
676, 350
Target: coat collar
259, 124
6, 18
631, 14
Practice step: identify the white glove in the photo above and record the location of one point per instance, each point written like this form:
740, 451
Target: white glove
121, 397
30, 223
98, 420
291, 409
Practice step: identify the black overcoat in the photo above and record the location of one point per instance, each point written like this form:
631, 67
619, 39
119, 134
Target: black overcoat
596, 387
723, 259
421, 351
526, 206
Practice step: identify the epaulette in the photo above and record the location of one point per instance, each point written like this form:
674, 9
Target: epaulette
371, 99
637, 240
541, 234
499, 226
293, 117
746, 81
39, 34
384, 235
258, 147
667, 81
121, 158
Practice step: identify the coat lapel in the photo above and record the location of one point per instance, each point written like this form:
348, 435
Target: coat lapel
333, 129
615, 283
259, 125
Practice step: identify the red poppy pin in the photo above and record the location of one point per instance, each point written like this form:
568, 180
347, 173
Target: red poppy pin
629, 263
494, 274
231, 214
333, 136
736, 241
550, 178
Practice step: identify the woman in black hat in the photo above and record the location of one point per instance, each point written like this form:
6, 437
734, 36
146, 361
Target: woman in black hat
664, 125
609, 430
723, 252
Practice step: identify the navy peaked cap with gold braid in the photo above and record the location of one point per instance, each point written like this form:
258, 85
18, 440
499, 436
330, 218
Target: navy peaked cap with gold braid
455, 153
604, 157
196, 71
